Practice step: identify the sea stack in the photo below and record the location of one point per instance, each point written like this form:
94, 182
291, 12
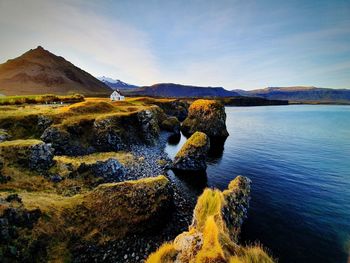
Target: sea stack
192, 155
206, 116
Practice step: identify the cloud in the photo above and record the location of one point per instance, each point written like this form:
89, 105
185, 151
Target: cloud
83, 36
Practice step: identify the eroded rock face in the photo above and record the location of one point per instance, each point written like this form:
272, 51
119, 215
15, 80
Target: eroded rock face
127, 207
176, 108
111, 132
32, 154
209, 238
206, 116
193, 154
110, 170
14, 219
171, 124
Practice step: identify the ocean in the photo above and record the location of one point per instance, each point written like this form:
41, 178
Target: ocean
298, 158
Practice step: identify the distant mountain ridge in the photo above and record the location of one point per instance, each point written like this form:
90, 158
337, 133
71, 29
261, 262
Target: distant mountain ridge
116, 83
38, 71
172, 90
301, 94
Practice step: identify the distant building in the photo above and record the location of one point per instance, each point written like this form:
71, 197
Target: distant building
116, 96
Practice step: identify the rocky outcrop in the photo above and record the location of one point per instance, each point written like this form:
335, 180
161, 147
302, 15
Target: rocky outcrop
107, 132
15, 220
171, 124
207, 116
209, 238
193, 153
32, 154
176, 108
142, 204
105, 169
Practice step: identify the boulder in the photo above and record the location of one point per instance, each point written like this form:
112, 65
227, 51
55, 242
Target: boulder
207, 116
116, 209
176, 108
171, 124
192, 155
109, 170
209, 238
32, 154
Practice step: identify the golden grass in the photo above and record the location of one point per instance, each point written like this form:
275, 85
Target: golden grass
208, 204
19, 143
252, 254
164, 254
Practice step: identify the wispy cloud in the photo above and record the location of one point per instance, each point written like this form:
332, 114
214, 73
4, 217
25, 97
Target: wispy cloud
100, 45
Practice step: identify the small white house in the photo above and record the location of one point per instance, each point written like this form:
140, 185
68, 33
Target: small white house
115, 96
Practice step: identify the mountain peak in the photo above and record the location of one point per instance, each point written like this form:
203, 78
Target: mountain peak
39, 71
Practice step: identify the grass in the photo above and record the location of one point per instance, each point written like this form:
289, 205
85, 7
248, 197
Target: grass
165, 254
40, 99
19, 143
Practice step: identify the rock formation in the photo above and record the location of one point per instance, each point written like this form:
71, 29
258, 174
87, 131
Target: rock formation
193, 153
171, 124
207, 116
108, 132
32, 154
212, 237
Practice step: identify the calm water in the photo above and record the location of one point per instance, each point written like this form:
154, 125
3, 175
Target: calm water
298, 158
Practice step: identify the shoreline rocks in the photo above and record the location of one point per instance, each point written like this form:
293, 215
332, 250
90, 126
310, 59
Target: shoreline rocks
206, 116
192, 155
209, 237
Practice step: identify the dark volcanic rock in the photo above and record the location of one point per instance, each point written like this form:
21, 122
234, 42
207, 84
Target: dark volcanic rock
32, 154
207, 116
171, 124
110, 170
193, 154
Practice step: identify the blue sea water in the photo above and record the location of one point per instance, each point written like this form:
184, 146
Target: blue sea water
298, 158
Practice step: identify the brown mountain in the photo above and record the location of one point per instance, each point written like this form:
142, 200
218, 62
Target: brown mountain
38, 71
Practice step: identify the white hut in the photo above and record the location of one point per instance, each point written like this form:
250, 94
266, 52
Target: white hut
116, 96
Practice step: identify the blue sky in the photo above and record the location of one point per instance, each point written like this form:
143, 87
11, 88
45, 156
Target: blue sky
234, 44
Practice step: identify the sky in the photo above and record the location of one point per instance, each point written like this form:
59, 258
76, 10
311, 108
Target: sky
233, 44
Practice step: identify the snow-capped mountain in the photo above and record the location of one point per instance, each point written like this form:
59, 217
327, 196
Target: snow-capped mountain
116, 83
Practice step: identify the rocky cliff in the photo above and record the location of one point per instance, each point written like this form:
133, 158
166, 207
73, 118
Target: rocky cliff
212, 237
206, 116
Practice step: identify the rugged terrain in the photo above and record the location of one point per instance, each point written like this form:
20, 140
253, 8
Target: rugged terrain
89, 181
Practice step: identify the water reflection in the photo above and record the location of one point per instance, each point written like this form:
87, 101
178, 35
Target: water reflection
197, 180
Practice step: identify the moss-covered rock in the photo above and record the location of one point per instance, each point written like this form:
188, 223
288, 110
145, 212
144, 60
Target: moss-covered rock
32, 154
105, 167
208, 238
46, 227
207, 116
192, 155
118, 209
104, 132
171, 124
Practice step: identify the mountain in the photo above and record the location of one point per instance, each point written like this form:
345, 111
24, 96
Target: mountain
177, 90
301, 94
39, 72
116, 83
